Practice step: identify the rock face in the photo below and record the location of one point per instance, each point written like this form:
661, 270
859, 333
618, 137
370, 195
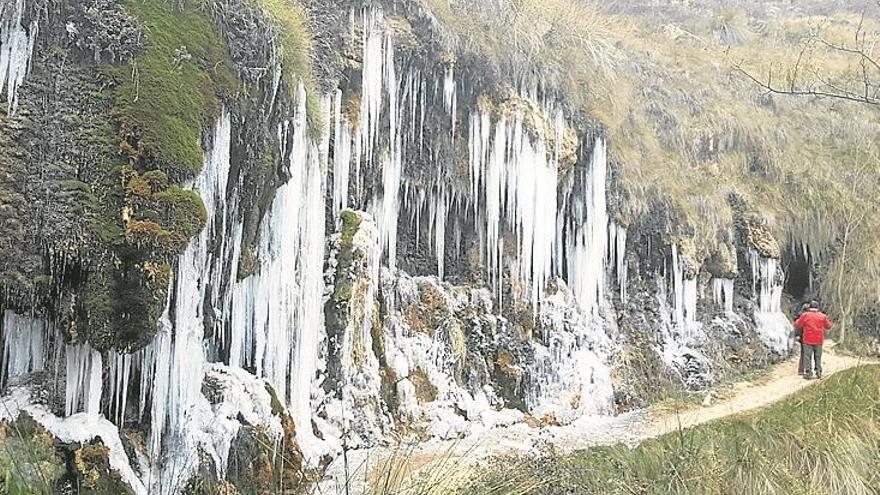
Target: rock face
216, 267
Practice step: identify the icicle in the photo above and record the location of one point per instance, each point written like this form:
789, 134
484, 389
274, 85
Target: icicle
277, 314
371, 82
23, 345
450, 97
84, 380
119, 368
772, 324
16, 49
341, 157
439, 209
685, 290
517, 177
587, 235
617, 256
379, 80
722, 293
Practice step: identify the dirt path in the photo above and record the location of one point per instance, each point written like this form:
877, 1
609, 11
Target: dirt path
632, 428
779, 382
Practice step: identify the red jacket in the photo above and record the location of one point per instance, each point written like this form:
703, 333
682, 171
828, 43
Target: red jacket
813, 323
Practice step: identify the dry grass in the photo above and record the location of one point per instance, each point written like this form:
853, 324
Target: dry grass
821, 441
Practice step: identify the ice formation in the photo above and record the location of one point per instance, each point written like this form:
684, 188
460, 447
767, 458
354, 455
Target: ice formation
517, 178
685, 292
84, 384
119, 368
617, 257
722, 293
681, 340
16, 48
584, 235
767, 284
450, 96
342, 156
572, 374
380, 81
23, 345
430, 209
277, 314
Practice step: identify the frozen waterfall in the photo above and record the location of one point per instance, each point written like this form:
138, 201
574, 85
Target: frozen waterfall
16, 48
84, 385
277, 314
585, 234
767, 284
23, 345
722, 293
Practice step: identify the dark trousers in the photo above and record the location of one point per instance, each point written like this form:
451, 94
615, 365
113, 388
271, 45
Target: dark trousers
800, 358
812, 354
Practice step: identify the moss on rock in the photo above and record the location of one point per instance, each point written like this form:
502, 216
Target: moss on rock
425, 390
95, 476
760, 237
170, 92
28, 461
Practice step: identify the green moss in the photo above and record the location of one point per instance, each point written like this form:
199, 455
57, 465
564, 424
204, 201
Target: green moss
172, 91
109, 230
162, 218
351, 222
277, 407
184, 213
75, 185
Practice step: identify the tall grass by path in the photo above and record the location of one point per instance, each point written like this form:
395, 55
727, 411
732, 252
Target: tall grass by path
824, 440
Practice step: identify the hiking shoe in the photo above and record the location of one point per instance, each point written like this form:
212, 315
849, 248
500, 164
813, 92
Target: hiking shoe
808, 377
818, 375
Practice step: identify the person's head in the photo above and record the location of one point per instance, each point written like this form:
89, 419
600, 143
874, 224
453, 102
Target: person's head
805, 307
814, 304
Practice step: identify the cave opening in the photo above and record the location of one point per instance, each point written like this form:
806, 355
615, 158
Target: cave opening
798, 280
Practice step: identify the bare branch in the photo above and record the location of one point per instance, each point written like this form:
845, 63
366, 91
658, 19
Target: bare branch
861, 83
834, 94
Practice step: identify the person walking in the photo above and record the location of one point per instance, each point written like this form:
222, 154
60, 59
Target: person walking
799, 337
812, 324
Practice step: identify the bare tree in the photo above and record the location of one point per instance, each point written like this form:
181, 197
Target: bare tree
850, 281
802, 77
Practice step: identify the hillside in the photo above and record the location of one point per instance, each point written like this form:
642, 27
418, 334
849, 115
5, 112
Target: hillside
244, 239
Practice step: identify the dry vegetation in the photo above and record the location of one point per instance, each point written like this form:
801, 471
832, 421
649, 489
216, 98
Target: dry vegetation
688, 128
821, 441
